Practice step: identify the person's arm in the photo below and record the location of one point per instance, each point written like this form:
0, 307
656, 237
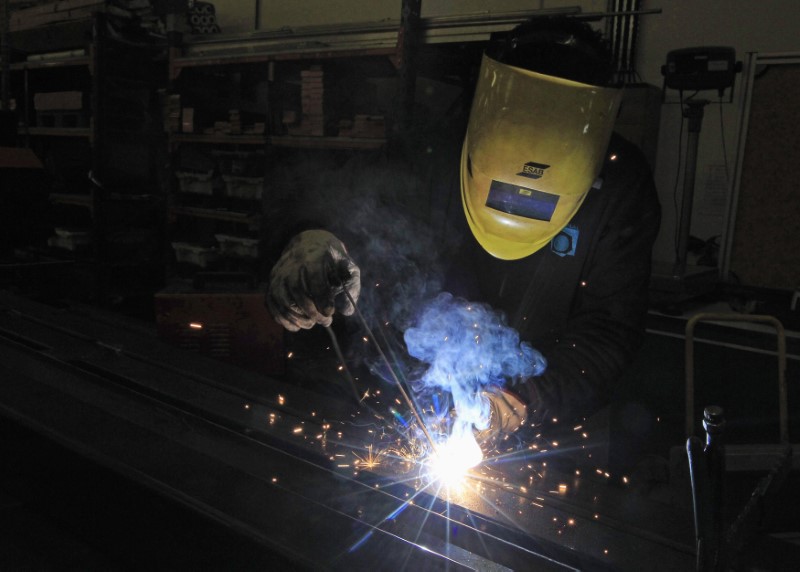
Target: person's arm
606, 323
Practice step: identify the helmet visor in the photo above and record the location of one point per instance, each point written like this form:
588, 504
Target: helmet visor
534, 146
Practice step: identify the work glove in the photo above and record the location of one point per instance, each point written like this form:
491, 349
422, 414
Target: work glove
309, 281
507, 413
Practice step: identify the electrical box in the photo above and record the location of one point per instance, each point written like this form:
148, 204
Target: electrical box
700, 68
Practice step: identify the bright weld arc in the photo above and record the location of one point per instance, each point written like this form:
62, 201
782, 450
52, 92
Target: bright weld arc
405, 395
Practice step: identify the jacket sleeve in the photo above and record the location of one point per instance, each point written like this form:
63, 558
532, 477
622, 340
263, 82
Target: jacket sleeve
605, 326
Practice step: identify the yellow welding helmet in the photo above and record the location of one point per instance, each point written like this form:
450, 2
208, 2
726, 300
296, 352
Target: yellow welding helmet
534, 145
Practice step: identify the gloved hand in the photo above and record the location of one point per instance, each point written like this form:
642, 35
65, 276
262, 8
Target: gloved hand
507, 413
308, 283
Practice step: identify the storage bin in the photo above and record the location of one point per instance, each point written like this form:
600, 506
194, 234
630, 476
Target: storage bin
244, 187
197, 183
201, 256
237, 246
70, 239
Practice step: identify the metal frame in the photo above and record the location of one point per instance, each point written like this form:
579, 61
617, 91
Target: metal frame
781, 350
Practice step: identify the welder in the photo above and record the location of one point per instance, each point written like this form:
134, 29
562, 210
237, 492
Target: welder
560, 217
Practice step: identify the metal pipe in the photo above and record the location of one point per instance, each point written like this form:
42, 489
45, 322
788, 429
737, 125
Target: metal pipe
693, 111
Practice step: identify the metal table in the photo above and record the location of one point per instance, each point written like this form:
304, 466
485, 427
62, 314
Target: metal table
290, 467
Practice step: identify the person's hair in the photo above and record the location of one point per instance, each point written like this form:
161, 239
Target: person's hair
557, 46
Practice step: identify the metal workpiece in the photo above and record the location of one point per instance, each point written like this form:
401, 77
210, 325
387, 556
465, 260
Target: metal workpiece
309, 475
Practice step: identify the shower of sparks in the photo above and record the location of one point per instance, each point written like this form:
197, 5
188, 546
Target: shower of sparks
383, 445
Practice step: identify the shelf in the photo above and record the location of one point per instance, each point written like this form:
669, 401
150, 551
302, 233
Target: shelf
382, 38
78, 61
71, 199
295, 142
229, 216
327, 142
215, 57
58, 131
218, 139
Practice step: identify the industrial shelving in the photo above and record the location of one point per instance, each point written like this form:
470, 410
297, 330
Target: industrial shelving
258, 80
99, 148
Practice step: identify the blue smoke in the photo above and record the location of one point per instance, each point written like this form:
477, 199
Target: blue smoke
468, 346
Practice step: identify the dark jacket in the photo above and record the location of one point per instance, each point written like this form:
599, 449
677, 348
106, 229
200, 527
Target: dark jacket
583, 310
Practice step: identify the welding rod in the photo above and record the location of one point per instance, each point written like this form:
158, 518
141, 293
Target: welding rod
391, 370
339, 355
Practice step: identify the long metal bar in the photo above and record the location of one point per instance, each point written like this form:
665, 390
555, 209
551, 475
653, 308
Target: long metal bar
269, 44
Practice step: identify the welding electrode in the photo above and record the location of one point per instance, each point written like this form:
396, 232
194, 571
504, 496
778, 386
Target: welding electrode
339, 355
405, 395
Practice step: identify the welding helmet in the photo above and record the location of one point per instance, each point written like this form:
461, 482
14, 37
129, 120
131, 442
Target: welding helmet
535, 144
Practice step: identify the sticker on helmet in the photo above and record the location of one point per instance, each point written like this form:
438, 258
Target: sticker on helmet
533, 170
521, 201
565, 243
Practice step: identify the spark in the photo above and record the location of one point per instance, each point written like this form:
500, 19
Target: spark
371, 459
196, 326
